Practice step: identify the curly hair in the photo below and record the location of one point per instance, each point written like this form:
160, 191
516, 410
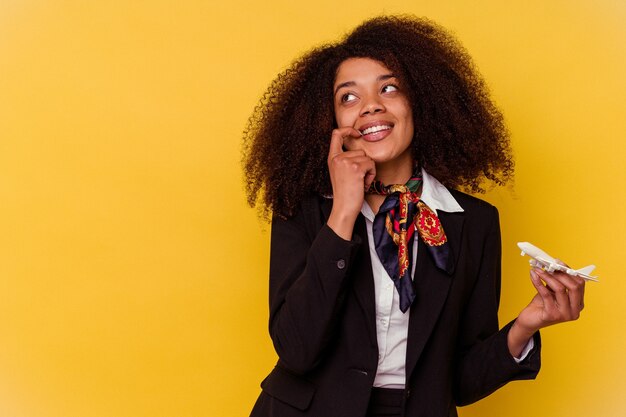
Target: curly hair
459, 136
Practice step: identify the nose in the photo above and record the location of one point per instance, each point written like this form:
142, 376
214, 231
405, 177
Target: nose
371, 106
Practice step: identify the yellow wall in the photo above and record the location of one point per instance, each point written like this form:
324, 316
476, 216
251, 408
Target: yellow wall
120, 128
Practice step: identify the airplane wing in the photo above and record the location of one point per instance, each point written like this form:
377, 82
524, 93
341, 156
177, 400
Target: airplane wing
547, 263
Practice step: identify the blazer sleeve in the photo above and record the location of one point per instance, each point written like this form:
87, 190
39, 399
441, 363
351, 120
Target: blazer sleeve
485, 363
309, 275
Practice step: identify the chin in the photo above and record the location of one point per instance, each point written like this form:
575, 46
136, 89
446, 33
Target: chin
386, 157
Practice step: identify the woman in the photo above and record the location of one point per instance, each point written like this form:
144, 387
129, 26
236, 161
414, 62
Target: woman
385, 280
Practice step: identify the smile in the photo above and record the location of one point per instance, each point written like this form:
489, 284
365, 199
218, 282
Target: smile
374, 129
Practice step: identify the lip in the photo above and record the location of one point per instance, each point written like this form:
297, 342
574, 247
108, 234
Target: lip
376, 136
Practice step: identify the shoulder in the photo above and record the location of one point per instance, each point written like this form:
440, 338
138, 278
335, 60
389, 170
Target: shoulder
314, 208
309, 216
308, 205
481, 217
474, 206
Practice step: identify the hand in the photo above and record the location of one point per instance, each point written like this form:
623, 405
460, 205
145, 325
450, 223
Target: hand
560, 299
351, 173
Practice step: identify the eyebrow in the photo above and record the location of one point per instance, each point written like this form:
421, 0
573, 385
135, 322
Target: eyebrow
383, 77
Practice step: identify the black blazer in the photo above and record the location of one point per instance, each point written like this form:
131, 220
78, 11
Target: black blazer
322, 319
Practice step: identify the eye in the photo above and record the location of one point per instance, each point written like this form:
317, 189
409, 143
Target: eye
389, 88
348, 97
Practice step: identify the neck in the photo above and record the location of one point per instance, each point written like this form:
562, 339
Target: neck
390, 173
395, 172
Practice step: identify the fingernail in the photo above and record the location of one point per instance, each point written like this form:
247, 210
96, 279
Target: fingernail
533, 274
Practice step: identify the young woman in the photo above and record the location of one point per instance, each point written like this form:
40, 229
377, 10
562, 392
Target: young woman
384, 279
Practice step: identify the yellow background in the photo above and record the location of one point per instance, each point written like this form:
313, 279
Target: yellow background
133, 278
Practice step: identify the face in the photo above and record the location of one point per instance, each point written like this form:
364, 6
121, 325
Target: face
370, 98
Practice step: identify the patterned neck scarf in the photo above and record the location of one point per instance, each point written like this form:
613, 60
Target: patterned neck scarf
401, 214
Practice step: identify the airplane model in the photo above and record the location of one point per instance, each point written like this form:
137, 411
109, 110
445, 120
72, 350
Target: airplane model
540, 259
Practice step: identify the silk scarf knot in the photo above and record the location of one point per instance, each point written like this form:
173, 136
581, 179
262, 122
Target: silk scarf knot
398, 218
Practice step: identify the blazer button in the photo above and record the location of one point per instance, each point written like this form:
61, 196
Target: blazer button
407, 393
341, 264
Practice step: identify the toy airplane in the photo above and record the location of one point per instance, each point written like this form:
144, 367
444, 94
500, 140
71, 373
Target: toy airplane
540, 259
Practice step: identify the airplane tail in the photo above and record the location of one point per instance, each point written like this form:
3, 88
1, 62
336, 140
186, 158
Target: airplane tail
587, 270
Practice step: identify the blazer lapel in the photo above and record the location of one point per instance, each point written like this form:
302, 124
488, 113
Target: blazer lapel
363, 282
431, 288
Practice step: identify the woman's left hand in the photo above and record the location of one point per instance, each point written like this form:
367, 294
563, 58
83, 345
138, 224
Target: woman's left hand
560, 299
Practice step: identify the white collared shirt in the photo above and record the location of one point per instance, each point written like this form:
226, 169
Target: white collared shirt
391, 324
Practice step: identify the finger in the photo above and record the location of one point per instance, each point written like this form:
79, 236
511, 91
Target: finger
360, 162
355, 161
349, 131
337, 139
351, 156
575, 291
546, 295
559, 290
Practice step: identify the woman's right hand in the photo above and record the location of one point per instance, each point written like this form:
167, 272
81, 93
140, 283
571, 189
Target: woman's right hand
351, 173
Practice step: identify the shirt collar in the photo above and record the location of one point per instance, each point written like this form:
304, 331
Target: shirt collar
438, 197
434, 194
